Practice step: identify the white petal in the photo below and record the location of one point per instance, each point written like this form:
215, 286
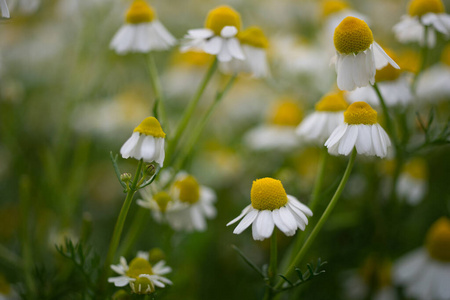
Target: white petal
148, 148
336, 135
348, 140
202, 33
345, 72
264, 223
382, 58
243, 213
409, 266
129, 145
295, 202
246, 222
228, 31
4, 8
214, 45
289, 220
120, 280
234, 48
364, 140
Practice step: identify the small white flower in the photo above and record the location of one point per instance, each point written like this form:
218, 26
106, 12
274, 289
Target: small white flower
271, 207
432, 84
219, 37
146, 142
412, 183
357, 55
142, 32
361, 130
4, 9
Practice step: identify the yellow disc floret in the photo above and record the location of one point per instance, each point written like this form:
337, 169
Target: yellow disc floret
286, 113
445, 56
142, 286
438, 240
151, 126
388, 73
332, 102
254, 36
417, 168
422, 7
360, 113
188, 189
409, 61
222, 16
139, 266
140, 12
352, 35
268, 194
162, 199
330, 7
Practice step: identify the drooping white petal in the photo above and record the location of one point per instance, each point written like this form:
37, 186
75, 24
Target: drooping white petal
202, 33
4, 8
246, 221
214, 45
234, 48
243, 213
129, 145
348, 140
336, 135
289, 220
264, 223
364, 140
228, 31
382, 58
305, 209
120, 280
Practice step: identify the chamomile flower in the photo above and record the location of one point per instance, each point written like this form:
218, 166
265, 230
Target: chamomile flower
412, 183
142, 32
271, 207
357, 54
423, 13
146, 142
361, 130
219, 37
425, 272
4, 9
140, 274
329, 114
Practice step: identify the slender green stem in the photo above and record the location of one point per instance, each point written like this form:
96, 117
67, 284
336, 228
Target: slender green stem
189, 111
272, 265
157, 90
326, 214
134, 232
389, 125
424, 52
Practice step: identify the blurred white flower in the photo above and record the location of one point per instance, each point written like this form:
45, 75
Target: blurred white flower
4, 9
413, 181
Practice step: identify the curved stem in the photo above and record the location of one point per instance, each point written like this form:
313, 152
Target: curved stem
389, 125
272, 265
156, 85
326, 214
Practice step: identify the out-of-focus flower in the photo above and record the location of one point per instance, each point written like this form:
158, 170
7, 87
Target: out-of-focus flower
421, 14
4, 9
271, 207
140, 274
413, 181
280, 132
146, 142
329, 114
425, 272
219, 37
26, 7
394, 86
186, 206
357, 54
361, 130
142, 32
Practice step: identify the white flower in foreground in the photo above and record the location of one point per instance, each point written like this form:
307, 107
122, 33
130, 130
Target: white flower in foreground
142, 32
271, 207
357, 54
146, 142
329, 114
361, 130
4, 9
140, 274
186, 207
425, 272
219, 37
423, 13
412, 183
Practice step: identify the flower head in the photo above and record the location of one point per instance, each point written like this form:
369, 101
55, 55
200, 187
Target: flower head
286, 112
222, 16
330, 7
438, 240
422, 7
352, 36
140, 12
253, 36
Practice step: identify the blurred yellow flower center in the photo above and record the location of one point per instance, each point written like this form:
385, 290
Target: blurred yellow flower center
352, 35
360, 113
410, 61
254, 36
139, 12
139, 266
191, 58
162, 199
333, 6
376, 272
151, 126
143, 286
388, 73
268, 194
286, 113
445, 57
5, 287
155, 255
332, 102
189, 189
438, 240
417, 168
222, 16
422, 7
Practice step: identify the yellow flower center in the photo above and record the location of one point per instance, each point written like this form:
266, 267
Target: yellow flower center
140, 12
388, 73
150, 126
222, 16
376, 272
162, 199
5, 287
333, 6
268, 194
286, 113
410, 61
422, 7
189, 189
191, 58
139, 266
438, 240
360, 113
143, 286
352, 35
155, 255
445, 57
254, 36
332, 102
417, 168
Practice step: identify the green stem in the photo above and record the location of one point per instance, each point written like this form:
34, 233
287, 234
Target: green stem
389, 124
326, 214
156, 85
189, 111
272, 265
424, 52
134, 232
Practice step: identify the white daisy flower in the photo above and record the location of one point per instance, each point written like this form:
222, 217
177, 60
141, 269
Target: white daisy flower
4, 9
329, 114
425, 272
423, 13
146, 142
412, 183
185, 207
142, 32
271, 207
219, 37
357, 54
361, 130
140, 274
